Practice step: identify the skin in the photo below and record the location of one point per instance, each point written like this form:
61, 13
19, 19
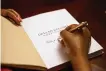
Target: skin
78, 43
12, 15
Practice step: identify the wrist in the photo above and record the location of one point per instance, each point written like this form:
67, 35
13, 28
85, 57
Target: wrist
78, 57
80, 63
78, 51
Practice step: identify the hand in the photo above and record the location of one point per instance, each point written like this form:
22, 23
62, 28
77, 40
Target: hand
78, 42
12, 15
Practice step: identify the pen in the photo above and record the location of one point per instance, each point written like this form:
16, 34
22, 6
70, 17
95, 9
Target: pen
83, 24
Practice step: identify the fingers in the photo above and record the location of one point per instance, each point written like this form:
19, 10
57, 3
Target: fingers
13, 17
71, 26
63, 36
86, 30
66, 36
16, 14
87, 33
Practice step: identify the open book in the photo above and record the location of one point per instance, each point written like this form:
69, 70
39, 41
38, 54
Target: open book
35, 44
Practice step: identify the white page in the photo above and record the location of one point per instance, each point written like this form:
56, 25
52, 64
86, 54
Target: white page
51, 23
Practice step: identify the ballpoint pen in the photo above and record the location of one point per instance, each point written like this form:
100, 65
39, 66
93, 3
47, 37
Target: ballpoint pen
83, 24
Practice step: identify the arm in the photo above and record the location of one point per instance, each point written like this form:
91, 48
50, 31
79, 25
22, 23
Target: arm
78, 43
80, 63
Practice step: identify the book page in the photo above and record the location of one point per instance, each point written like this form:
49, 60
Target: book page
16, 47
44, 30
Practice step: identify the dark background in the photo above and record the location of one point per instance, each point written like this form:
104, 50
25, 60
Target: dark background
92, 11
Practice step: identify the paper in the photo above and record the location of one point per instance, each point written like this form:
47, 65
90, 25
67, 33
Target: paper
44, 30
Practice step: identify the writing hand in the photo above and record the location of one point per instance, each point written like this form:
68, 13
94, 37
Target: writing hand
78, 42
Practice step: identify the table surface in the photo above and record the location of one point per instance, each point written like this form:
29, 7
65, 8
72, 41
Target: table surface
92, 11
